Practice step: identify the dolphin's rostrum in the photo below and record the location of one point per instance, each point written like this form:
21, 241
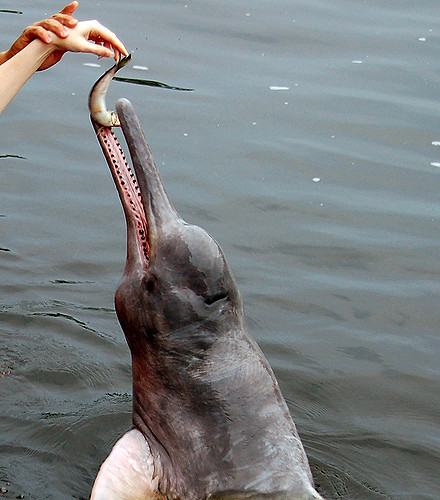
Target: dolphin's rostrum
209, 420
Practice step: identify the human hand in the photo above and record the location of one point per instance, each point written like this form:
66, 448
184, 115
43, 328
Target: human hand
90, 37
44, 43
58, 25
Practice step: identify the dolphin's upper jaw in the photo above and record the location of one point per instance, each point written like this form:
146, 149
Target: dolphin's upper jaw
138, 245
159, 211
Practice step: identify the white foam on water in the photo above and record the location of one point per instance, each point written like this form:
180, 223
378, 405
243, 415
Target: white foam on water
276, 87
141, 68
435, 164
435, 143
92, 65
316, 179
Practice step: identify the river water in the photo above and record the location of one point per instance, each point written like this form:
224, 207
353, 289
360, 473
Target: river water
310, 149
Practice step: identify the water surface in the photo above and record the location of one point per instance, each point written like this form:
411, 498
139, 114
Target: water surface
310, 150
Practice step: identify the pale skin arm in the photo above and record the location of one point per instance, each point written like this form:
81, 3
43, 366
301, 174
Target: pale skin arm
86, 36
43, 30
15, 72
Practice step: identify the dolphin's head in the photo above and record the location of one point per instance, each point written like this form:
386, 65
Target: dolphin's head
176, 276
184, 283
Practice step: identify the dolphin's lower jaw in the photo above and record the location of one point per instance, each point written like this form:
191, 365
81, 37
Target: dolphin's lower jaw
129, 194
208, 413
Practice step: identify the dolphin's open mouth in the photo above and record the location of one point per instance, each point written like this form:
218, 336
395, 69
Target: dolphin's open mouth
128, 190
145, 202
138, 247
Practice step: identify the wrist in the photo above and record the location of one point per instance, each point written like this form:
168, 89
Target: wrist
34, 54
42, 50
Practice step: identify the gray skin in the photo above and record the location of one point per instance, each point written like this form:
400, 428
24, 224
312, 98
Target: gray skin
204, 397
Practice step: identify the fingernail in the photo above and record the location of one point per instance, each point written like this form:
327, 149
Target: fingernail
63, 33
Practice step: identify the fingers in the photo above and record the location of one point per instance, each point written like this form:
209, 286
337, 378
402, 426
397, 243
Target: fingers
53, 26
98, 33
69, 9
57, 24
98, 47
35, 31
65, 20
116, 53
94, 48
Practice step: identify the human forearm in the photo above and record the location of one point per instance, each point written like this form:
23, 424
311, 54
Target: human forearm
15, 72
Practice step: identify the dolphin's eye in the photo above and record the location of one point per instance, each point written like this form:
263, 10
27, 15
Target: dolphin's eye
215, 298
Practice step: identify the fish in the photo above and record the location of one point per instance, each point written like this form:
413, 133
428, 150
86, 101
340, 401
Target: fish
97, 106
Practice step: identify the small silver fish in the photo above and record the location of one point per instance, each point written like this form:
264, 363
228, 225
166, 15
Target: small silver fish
98, 109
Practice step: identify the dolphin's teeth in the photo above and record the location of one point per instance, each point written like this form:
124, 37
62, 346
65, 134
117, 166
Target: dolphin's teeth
127, 185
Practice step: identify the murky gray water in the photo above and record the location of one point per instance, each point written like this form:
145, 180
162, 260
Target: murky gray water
324, 197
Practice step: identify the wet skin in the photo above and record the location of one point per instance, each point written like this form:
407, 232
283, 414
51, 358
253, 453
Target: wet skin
205, 400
